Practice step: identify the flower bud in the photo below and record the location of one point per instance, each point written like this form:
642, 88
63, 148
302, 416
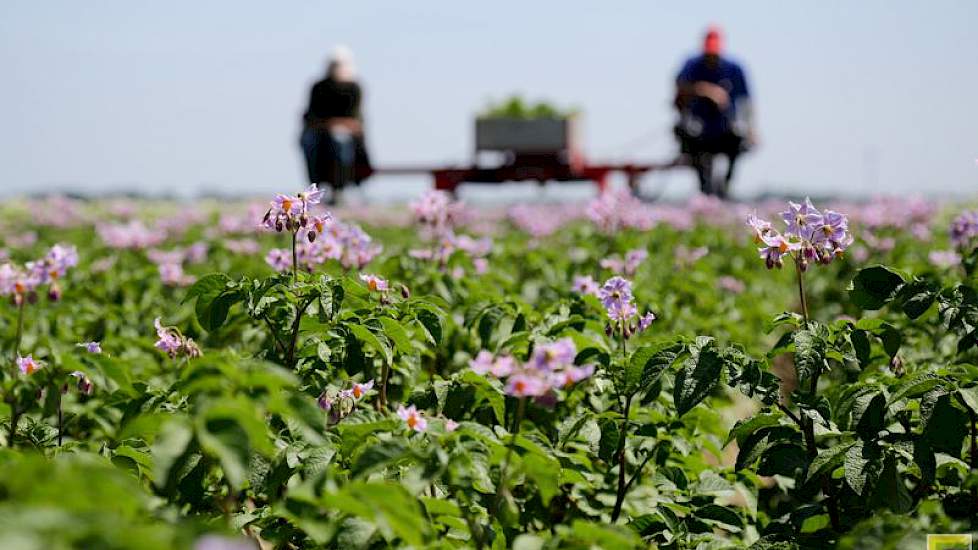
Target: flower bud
405, 293
324, 402
896, 366
278, 226
311, 236
190, 348
54, 293
32, 297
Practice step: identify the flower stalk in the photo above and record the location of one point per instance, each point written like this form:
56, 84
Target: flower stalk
502, 490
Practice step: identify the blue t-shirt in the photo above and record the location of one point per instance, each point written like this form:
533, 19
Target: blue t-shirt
726, 73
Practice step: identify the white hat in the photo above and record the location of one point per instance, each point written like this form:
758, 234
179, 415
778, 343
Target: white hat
341, 66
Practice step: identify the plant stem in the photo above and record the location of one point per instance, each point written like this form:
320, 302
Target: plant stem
61, 418
622, 436
973, 460
385, 373
474, 528
623, 346
271, 330
20, 329
638, 471
299, 312
801, 291
295, 258
806, 423
14, 417
501, 490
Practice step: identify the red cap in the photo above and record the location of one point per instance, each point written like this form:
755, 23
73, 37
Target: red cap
713, 42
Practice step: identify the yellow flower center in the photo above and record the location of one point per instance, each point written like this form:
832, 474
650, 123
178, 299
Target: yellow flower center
412, 420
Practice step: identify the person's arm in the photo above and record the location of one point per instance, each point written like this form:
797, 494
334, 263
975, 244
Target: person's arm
684, 87
311, 106
688, 88
745, 107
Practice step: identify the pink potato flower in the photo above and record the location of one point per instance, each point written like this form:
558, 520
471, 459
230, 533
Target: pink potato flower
357, 390
28, 365
413, 418
374, 283
91, 347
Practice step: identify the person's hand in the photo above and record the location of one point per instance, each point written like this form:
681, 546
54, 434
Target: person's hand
752, 139
347, 124
714, 92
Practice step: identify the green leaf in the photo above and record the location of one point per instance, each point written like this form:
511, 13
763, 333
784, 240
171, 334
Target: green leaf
213, 300
809, 354
891, 338
647, 364
385, 453
744, 428
923, 457
813, 524
758, 442
170, 450
396, 333
544, 471
891, 491
828, 460
720, 516
599, 535
697, 378
946, 425
784, 459
207, 286
861, 345
370, 341
225, 439
863, 464
874, 286
431, 323
231, 430
917, 296
387, 505
969, 396
868, 414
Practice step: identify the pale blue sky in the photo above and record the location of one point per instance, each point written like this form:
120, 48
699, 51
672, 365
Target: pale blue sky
854, 97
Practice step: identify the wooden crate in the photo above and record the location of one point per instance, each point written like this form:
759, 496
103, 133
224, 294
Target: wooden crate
537, 135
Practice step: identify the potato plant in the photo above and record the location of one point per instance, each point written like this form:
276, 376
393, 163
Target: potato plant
618, 375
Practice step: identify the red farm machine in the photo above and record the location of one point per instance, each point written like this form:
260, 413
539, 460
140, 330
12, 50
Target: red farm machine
528, 149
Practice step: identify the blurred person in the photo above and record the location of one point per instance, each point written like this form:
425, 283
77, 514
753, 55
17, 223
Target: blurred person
332, 135
715, 113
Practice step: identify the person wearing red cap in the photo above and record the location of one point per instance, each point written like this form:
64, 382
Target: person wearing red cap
714, 107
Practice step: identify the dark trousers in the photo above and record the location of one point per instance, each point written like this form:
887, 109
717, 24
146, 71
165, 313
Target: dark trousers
702, 152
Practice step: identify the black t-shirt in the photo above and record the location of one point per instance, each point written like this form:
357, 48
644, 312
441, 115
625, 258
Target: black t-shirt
332, 99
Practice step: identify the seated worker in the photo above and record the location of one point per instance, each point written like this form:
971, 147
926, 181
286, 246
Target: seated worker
332, 134
715, 114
